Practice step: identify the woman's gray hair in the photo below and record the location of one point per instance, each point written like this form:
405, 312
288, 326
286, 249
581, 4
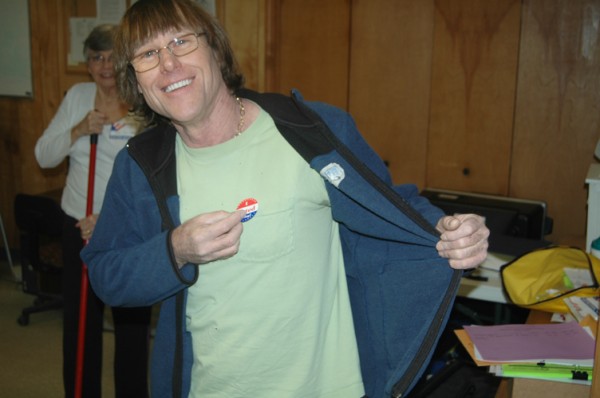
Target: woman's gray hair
101, 38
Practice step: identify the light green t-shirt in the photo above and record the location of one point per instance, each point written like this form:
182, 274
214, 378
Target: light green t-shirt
274, 320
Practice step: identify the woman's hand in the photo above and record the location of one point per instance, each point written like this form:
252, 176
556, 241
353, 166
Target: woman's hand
92, 123
87, 225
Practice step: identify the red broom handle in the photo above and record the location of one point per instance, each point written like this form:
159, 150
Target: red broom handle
84, 279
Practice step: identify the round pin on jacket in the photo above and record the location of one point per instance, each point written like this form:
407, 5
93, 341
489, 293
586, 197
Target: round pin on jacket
250, 205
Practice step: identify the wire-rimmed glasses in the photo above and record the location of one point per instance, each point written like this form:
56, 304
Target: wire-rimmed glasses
179, 47
97, 59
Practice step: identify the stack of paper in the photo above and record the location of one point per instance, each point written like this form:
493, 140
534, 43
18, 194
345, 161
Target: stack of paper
578, 277
560, 352
581, 307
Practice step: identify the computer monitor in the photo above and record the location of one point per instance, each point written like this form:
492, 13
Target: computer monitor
516, 225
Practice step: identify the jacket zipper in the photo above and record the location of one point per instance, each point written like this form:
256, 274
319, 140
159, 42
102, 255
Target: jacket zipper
434, 330
429, 341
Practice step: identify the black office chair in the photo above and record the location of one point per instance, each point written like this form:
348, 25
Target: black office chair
39, 220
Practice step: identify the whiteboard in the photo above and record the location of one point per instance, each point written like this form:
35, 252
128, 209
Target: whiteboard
15, 49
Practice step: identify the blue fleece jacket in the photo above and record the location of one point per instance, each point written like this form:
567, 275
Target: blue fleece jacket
401, 291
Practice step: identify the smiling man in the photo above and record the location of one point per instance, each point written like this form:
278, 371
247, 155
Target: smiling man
267, 229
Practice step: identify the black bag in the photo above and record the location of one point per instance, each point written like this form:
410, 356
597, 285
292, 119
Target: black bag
459, 379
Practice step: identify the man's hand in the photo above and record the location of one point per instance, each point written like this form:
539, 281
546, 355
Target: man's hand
464, 240
207, 237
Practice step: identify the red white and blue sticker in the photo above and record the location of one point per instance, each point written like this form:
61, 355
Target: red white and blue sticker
250, 205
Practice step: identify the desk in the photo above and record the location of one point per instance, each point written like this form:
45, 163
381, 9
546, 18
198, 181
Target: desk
490, 289
593, 205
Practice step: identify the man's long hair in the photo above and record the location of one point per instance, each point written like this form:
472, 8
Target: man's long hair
147, 18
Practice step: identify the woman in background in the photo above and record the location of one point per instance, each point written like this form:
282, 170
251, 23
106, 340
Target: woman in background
93, 108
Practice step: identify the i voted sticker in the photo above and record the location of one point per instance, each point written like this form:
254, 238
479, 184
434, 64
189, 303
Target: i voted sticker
250, 205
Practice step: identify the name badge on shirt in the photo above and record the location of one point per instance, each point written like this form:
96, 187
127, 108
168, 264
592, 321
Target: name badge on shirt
120, 131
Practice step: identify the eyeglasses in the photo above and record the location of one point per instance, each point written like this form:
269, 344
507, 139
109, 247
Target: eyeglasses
179, 47
99, 59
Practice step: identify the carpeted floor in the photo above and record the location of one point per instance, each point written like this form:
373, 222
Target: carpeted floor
30, 356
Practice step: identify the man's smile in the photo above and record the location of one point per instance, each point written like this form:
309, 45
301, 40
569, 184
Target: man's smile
179, 84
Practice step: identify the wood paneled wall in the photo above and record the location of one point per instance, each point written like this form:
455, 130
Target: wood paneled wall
390, 81
491, 96
474, 74
497, 96
310, 50
557, 117
23, 120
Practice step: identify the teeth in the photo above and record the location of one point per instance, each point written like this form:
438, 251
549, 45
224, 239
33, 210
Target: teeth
177, 85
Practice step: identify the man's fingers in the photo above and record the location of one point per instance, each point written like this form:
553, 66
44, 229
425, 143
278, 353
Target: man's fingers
208, 237
466, 256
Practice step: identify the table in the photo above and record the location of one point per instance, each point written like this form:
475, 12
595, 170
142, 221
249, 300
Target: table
486, 283
489, 289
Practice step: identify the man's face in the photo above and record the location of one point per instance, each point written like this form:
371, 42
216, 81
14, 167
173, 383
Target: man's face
181, 88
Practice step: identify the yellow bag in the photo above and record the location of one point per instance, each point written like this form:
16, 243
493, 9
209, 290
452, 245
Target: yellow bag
537, 279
